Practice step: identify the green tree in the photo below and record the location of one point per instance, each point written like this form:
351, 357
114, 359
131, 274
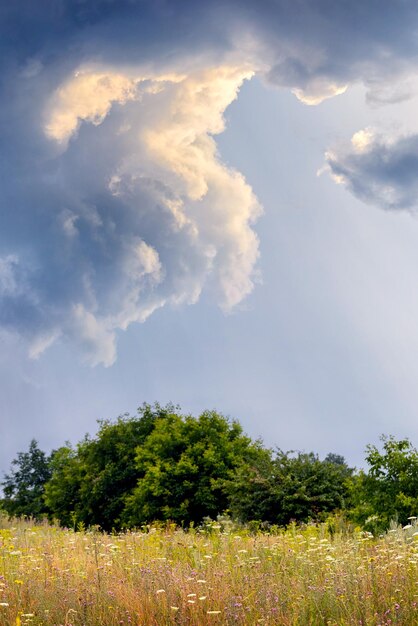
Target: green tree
62, 491
184, 468
90, 483
251, 491
24, 486
290, 486
389, 490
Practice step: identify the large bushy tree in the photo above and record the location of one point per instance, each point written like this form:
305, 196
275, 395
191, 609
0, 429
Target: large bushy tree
90, 484
184, 468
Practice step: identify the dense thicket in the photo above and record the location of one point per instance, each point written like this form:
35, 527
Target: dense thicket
163, 465
287, 487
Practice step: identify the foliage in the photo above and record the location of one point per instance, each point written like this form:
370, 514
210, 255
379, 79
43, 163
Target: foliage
62, 490
389, 490
163, 465
24, 486
184, 467
90, 484
290, 486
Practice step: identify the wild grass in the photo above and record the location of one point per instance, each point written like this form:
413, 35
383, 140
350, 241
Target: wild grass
163, 576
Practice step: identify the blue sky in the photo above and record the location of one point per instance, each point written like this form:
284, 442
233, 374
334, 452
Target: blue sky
212, 205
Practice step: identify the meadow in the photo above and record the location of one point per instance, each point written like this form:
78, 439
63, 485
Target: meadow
209, 576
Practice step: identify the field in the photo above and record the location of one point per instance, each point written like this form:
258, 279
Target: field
205, 577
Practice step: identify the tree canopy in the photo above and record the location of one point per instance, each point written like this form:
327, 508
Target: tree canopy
389, 490
288, 486
90, 484
163, 465
184, 468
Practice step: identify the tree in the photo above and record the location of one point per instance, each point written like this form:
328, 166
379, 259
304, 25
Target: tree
62, 491
184, 467
24, 486
90, 483
251, 491
290, 486
389, 490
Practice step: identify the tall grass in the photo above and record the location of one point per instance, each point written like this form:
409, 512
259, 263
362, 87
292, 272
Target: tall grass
215, 576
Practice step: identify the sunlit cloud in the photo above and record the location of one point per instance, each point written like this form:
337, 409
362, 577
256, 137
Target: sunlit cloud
121, 203
149, 214
86, 97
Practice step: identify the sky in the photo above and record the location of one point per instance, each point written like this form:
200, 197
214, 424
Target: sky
212, 204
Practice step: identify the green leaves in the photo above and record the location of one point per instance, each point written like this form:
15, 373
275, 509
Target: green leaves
163, 465
24, 487
389, 491
184, 467
290, 486
156, 465
92, 483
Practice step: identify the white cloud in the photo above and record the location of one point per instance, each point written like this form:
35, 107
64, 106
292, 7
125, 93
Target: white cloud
362, 140
97, 341
148, 214
319, 90
42, 343
86, 97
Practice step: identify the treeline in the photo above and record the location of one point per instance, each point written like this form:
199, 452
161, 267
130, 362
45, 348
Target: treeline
162, 465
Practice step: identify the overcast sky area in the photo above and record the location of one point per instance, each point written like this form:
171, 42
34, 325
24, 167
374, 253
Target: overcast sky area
213, 204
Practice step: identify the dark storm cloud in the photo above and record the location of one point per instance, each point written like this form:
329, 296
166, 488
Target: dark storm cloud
114, 200
339, 42
379, 170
